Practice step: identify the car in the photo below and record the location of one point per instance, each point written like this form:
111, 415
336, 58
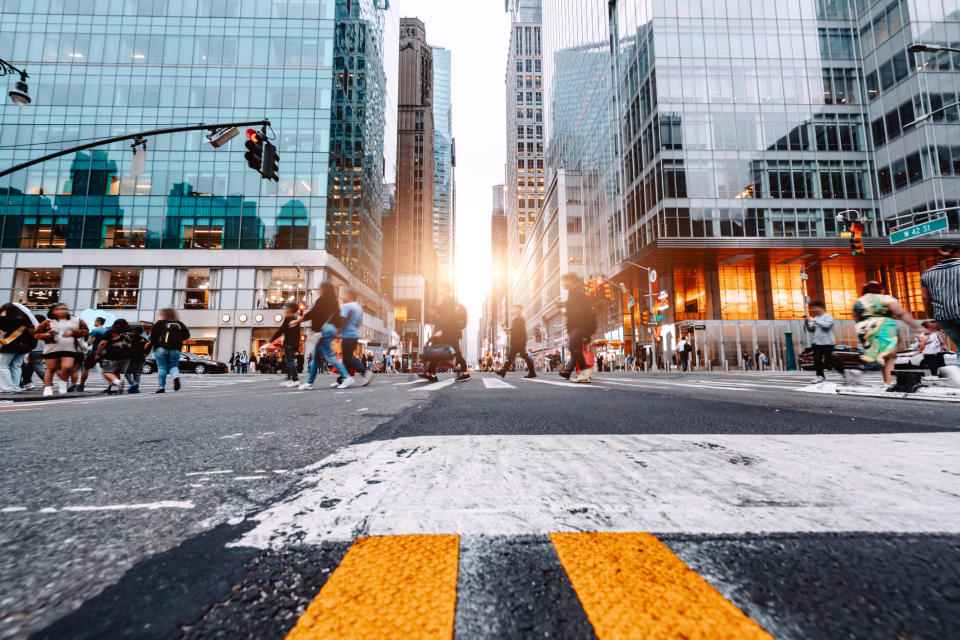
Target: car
912, 359
849, 356
189, 363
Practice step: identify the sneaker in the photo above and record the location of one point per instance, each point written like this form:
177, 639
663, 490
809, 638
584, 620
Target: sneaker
62, 387
72, 388
47, 392
433, 379
818, 380
951, 374
346, 384
530, 375
27, 387
852, 376
176, 384
306, 386
80, 388
588, 373
367, 377
891, 387
160, 391
566, 374
334, 385
502, 373
425, 376
134, 389
292, 384
462, 377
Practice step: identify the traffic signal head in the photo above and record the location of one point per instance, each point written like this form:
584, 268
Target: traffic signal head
646, 317
254, 154
271, 162
856, 238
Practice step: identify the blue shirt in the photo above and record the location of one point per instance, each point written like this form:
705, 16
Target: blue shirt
352, 313
97, 334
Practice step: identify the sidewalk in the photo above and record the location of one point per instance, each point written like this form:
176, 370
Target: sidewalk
935, 390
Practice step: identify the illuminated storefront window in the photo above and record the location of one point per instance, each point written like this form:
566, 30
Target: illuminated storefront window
787, 292
738, 292
691, 294
839, 290
908, 290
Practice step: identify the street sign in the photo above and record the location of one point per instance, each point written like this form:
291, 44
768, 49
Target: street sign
659, 318
699, 327
631, 302
653, 275
940, 224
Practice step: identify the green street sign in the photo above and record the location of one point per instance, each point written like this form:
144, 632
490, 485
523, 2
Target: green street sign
659, 318
940, 224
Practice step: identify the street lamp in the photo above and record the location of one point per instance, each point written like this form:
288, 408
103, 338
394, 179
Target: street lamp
20, 94
921, 47
927, 116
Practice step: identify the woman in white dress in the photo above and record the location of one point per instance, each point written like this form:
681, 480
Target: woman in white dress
62, 335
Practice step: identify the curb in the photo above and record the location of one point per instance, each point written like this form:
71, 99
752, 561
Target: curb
27, 398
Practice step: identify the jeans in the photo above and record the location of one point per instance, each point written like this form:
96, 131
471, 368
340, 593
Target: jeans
290, 362
11, 366
824, 353
458, 359
324, 351
133, 373
167, 363
349, 346
518, 351
952, 329
36, 365
578, 337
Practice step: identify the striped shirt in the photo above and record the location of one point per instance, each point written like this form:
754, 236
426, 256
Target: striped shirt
943, 284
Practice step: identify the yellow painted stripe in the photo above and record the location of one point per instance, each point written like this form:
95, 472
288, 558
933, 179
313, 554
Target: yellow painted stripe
632, 586
389, 587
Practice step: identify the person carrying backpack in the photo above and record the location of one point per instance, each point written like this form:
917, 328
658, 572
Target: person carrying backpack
450, 318
141, 346
167, 339
17, 324
115, 351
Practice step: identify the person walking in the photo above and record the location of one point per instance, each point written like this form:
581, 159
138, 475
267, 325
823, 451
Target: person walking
93, 342
823, 341
876, 314
683, 352
351, 315
34, 363
289, 332
325, 318
930, 346
166, 339
141, 347
449, 319
62, 335
114, 352
940, 288
244, 363
581, 325
17, 325
518, 342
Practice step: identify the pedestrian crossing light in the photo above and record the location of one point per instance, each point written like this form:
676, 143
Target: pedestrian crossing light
254, 154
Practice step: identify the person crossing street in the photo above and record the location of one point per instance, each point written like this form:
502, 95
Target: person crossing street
352, 315
518, 343
166, 339
289, 332
823, 339
581, 325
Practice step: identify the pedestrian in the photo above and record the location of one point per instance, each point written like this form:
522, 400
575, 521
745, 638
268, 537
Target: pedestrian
449, 320
167, 338
244, 363
683, 352
62, 335
17, 324
823, 340
940, 287
93, 342
351, 313
758, 359
518, 342
746, 361
141, 346
289, 332
763, 360
34, 363
876, 314
931, 346
115, 350
325, 319
581, 325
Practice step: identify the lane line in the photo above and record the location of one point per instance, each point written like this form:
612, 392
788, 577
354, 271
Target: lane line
389, 587
495, 383
631, 585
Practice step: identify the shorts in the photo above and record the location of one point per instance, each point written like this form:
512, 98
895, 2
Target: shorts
90, 361
116, 367
56, 355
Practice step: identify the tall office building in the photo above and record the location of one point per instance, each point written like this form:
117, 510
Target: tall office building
415, 271
726, 149
198, 231
444, 179
525, 124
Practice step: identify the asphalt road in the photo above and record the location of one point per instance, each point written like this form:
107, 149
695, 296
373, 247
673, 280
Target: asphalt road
224, 509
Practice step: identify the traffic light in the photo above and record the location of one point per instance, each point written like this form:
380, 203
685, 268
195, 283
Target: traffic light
646, 317
607, 291
254, 154
856, 238
271, 162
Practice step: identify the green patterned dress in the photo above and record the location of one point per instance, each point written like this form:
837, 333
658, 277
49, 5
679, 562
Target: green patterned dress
877, 330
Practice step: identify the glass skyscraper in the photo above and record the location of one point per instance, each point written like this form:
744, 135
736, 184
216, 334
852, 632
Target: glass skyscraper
716, 141
443, 165
113, 67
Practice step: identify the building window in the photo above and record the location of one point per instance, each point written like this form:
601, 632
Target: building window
46, 232
839, 289
277, 287
118, 288
691, 294
37, 288
787, 293
197, 288
738, 292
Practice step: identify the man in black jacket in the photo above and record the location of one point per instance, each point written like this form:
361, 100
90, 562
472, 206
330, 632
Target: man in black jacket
16, 341
581, 325
518, 343
290, 332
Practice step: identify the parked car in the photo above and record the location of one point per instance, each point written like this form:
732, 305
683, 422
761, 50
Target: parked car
911, 359
189, 363
845, 353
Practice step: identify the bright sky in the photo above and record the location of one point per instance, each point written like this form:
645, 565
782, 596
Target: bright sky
477, 33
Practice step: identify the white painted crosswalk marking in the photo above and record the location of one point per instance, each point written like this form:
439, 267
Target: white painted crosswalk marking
568, 385
494, 383
436, 386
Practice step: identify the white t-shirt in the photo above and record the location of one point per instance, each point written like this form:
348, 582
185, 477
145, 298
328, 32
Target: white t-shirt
932, 345
681, 346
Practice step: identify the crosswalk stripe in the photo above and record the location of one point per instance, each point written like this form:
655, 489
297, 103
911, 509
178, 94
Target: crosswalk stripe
631, 585
567, 385
388, 587
436, 386
493, 383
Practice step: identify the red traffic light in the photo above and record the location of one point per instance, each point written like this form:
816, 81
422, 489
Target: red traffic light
253, 135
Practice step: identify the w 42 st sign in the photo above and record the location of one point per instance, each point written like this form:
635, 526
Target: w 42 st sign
917, 230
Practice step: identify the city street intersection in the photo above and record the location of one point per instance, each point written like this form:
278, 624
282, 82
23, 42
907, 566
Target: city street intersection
644, 505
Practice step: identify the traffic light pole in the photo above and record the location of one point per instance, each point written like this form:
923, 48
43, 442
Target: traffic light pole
132, 136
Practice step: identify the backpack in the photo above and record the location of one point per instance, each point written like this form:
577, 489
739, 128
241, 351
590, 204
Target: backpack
170, 338
461, 316
120, 347
687, 348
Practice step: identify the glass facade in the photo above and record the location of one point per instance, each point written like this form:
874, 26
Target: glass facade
443, 164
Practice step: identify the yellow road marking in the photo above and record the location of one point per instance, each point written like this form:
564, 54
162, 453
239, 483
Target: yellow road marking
388, 587
632, 586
